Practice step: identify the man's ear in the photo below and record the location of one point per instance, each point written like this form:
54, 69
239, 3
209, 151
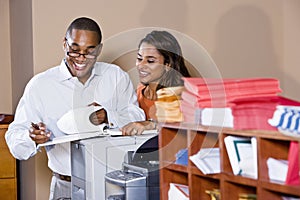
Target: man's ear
64, 44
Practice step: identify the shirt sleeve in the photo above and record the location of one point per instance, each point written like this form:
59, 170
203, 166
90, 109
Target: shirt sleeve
123, 106
17, 136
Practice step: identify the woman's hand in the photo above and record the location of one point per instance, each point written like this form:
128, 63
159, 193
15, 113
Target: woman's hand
137, 128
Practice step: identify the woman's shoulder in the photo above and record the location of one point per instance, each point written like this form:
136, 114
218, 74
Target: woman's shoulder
140, 87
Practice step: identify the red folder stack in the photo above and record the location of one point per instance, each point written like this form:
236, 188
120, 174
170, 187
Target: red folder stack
211, 92
252, 101
253, 113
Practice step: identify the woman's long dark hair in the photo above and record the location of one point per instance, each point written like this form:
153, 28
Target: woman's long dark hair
169, 48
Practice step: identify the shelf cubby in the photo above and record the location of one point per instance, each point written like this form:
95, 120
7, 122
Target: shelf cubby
176, 136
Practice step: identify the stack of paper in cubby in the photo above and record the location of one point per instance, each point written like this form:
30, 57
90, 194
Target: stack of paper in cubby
242, 153
178, 192
207, 160
229, 102
277, 169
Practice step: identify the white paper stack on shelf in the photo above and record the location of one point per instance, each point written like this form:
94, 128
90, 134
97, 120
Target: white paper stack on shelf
242, 152
290, 198
178, 192
207, 160
277, 169
207, 116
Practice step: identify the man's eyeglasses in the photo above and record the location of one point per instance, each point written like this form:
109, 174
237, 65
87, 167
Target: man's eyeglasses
75, 54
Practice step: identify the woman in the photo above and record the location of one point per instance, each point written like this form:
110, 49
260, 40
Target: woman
160, 64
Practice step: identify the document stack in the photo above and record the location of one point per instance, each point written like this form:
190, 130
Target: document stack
277, 169
242, 103
178, 192
242, 152
207, 160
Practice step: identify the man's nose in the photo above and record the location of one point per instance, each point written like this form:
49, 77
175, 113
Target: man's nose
81, 57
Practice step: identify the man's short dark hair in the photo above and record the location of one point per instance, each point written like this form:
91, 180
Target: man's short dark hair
84, 23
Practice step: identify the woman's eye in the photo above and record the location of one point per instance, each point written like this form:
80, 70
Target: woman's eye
139, 59
151, 61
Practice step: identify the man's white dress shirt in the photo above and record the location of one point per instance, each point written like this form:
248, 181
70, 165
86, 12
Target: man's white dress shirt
51, 94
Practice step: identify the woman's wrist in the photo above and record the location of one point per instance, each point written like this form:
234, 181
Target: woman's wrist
153, 123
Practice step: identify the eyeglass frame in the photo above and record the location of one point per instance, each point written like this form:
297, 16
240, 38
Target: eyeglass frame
80, 54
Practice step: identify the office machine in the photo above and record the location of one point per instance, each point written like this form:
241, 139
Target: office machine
139, 177
92, 158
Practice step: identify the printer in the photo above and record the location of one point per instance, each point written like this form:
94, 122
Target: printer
139, 177
92, 158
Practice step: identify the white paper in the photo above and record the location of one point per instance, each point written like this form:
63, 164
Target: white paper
207, 160
242, 155
277, 169
178, 192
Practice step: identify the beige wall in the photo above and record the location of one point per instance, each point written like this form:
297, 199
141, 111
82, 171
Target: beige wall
5, 75
291, 49
245, 38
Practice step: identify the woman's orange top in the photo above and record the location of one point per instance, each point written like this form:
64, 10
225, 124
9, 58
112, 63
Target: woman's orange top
146, 104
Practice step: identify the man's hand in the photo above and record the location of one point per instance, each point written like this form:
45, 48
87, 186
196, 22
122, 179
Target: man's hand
98, 117
37, 133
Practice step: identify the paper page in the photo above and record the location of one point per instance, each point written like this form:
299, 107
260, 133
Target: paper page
255, 161
239, 149
207, 160
245, 157
116, 132
81, 136
277, 169
178, 192
69, 138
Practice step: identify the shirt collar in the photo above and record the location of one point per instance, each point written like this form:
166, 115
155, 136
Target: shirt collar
66, 74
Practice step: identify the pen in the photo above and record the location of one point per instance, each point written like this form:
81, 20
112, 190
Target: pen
35, 126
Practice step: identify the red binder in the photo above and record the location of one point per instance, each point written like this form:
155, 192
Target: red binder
292, 177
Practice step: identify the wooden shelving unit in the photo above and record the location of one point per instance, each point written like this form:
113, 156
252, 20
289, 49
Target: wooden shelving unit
8, 172
176, 136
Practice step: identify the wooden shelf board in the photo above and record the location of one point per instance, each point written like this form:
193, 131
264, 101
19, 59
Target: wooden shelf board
281, 187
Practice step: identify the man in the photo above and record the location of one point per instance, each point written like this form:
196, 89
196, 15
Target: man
78, 81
